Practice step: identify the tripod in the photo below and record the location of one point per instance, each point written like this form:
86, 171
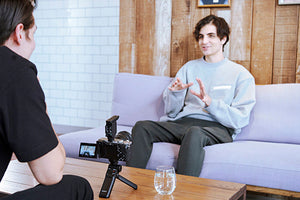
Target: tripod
111, 174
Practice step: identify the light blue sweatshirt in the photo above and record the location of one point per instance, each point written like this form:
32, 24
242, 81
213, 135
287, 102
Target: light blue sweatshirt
230, 86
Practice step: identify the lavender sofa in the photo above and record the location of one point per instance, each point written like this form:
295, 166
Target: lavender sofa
266, 152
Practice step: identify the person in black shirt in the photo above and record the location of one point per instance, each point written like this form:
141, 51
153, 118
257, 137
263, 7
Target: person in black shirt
25, 128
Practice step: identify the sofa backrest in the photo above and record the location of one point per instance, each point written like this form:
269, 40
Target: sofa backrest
138, 97
276, 115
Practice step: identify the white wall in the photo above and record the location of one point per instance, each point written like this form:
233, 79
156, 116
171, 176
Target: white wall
77, 56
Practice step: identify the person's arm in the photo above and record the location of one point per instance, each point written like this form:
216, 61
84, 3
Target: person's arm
205, 98
48, 169
30, 134
237, 114
174, 95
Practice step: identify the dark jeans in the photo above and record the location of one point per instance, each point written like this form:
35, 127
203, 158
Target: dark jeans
69, 188
191, 134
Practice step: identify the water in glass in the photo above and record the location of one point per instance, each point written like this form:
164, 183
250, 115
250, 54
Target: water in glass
165, 180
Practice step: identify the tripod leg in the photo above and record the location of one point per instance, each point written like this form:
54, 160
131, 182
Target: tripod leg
108, 182
128, 182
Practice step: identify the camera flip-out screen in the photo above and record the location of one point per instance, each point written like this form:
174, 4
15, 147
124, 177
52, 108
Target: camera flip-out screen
88, 150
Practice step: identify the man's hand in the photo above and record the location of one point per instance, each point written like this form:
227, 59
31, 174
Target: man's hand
203, 95
178, 85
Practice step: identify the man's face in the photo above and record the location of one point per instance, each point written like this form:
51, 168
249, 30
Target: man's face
29, 43
210, 44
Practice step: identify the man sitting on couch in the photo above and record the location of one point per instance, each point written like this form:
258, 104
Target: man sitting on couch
209, 101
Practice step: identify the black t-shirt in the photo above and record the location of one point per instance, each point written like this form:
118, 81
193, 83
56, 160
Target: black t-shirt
25, 127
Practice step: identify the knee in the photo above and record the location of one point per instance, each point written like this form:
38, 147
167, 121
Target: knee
193, 132
196, 134
68, 179
140, 128
82, 185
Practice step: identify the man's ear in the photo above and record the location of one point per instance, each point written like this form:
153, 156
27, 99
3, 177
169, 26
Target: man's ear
19, 34
223, 40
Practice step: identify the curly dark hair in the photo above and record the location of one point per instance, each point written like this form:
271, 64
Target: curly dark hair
14, 12
223, 29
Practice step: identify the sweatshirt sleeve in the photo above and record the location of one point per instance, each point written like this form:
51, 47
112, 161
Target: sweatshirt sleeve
237, 114
174, 100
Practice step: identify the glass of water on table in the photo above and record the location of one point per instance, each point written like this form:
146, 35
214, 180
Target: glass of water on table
165, 180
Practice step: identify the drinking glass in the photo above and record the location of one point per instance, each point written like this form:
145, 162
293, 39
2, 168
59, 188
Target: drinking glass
165, 180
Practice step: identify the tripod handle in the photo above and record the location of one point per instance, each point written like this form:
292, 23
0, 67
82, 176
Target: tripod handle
108, 183
111, 174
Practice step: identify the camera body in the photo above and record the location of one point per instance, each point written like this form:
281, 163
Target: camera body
114, 146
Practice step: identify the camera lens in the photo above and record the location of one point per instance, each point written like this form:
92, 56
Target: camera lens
123, 135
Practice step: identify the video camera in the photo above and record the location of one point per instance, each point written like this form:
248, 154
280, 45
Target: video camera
115, 148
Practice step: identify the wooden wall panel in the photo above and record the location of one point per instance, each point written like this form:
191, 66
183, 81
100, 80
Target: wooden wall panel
162, 40
127, 30
262, 41
285, 47
240, 37
145, 35
180, 34
264, 37
298, 50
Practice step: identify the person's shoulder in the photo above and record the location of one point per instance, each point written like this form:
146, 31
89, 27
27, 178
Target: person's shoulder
13, 63
236, 66
239, 69
191, 63
15, 70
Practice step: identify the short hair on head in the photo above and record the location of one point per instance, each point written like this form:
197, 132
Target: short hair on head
14, 12
223, 29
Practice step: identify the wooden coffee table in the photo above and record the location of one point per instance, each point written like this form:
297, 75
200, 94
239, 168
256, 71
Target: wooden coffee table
18, 177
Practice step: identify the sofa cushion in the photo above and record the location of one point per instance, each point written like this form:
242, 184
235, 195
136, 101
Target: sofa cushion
264, 164
275, 116
138, 97
163, 154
